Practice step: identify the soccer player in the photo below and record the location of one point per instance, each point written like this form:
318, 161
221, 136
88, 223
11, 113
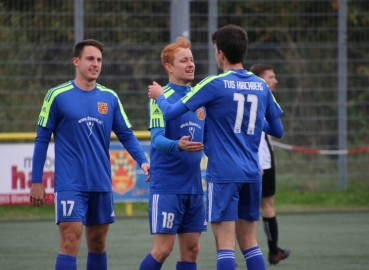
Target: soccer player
237, 103
82, 114
267, 165
176, 205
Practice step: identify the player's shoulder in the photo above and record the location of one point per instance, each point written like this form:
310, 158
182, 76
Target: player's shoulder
57, 90
168, 91
208, 82
112, 95
105, 89
214, 78
207, 79
253, 77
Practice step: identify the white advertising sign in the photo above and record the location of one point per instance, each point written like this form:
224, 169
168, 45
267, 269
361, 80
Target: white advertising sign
16, 173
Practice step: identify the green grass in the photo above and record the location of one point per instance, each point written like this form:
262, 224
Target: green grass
327, 241
285, 201
348, 198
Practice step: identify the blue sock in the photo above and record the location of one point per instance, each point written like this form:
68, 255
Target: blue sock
65, 262
226, 259
186, 266
149, 263
254, 258
97, 261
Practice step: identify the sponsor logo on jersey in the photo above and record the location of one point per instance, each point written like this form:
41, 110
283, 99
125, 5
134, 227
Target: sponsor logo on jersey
102, 107
123, 169
200, 113
156, 111
192, 132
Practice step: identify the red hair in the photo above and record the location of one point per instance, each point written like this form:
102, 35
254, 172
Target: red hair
167, 54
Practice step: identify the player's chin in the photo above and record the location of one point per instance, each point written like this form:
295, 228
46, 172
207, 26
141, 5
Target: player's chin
93, 77
94, 74
190, 77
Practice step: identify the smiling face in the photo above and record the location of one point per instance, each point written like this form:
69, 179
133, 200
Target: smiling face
182, 70
88, 65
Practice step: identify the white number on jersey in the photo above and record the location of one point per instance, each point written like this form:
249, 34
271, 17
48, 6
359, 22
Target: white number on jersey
71, 205
240, 109
167, 220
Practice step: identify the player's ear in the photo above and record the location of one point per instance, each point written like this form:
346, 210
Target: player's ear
75, 61
168, 67
221, 54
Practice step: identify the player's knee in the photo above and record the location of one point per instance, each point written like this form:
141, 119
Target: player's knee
194, 253
96, 244
70, 244
161, 253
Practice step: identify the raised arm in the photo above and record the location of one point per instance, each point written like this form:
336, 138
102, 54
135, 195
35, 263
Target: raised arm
170, 111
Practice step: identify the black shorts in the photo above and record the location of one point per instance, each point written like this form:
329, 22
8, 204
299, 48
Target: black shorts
268, 187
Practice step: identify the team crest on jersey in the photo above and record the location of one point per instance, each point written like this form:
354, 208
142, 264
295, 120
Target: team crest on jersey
123, 170
200, 113
102, 107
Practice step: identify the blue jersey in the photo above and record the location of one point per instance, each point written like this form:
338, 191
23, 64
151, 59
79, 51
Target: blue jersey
82, 122
176, 172
236, 103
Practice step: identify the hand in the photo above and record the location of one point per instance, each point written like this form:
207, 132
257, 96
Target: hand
38, 194
155, 90
185, 144
145, 167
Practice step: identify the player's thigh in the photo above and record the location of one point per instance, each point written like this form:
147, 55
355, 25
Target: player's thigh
269, 183
70, 206
70, 230
165, 213
70, 237
193, 219
222, 201
188, 240
267, 203
100, 208
249, 203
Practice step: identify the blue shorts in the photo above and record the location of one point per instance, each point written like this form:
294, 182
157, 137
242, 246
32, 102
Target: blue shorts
231, 201
177, 213
91, 208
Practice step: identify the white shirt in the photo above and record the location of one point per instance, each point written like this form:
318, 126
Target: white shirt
265, 159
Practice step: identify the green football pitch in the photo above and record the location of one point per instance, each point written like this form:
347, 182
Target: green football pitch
327, 241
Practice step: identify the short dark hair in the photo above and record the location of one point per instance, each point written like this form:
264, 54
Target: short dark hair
258, 69
232, 40
78, 48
